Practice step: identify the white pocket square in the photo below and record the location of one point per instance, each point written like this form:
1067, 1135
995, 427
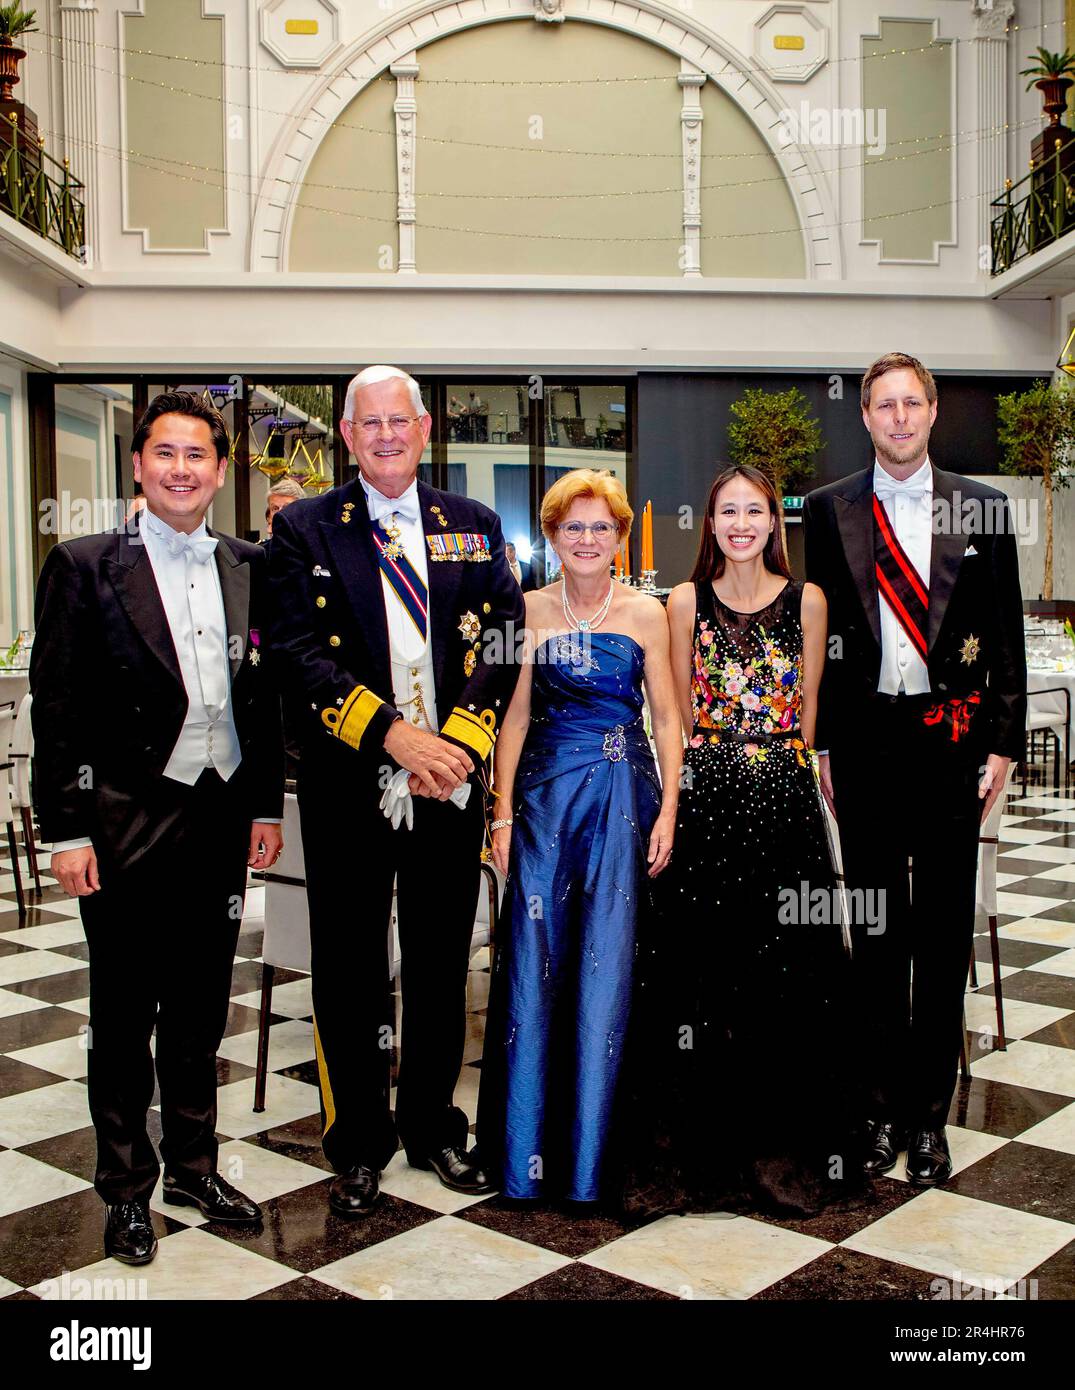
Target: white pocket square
970, 550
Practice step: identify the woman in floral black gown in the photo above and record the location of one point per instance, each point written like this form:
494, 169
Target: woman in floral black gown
739, 1092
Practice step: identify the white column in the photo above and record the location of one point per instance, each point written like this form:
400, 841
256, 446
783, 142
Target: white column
991, 56
406, 109
690, 80
77, 36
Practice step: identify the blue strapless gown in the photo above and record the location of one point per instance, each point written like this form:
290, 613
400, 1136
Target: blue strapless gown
587, 795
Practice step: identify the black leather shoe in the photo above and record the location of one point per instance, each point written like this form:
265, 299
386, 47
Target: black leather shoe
882, 1148
129, 1233
456, 1169
355, 1192
213, 1197
929, 1162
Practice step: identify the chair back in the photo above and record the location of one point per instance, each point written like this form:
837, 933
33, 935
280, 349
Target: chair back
987, 852
7, 724
22, 750
287, 915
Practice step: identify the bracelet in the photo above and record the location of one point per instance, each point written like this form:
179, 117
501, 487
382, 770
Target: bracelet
499, 824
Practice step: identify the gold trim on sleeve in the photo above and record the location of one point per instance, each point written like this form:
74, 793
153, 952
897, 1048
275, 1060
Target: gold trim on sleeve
350, 720
477, 732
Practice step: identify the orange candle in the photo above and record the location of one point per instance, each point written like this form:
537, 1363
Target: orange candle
647, 536
627, 559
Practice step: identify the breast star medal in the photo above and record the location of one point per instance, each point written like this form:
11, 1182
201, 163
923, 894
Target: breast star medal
470, 627
394, 549
968, 653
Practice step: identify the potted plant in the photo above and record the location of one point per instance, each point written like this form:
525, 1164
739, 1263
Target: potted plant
775, 431
14, 21
1053, 74
1036, 433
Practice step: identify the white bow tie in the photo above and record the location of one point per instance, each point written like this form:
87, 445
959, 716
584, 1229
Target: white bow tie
886, 486
199, 550
406, 508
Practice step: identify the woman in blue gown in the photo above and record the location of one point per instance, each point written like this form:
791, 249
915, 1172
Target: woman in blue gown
581, 827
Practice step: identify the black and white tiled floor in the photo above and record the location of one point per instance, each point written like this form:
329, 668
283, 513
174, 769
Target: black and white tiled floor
1007, 1215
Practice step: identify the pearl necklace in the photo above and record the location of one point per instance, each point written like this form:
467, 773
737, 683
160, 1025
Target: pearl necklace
588, 624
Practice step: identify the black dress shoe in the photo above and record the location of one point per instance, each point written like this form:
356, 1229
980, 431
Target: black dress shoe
355, 1192
129, 1233
882, 1148
456, 1169
929, 1162
213, 1197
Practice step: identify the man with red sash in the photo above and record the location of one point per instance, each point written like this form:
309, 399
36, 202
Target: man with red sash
922, 706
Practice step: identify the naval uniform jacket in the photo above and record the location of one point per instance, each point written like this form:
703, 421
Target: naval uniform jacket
329, 632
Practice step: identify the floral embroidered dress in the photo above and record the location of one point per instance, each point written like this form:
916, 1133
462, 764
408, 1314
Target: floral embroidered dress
739, 1086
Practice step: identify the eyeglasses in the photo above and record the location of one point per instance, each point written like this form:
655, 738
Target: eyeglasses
396, 423
575, 530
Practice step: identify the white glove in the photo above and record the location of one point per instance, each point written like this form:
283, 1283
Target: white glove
397, 802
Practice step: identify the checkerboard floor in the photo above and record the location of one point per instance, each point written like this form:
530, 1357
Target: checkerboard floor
1007, 1215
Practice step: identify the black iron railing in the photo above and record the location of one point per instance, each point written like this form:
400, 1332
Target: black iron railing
40, 192
1034, 212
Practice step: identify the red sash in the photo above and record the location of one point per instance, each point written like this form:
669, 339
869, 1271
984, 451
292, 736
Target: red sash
898, 582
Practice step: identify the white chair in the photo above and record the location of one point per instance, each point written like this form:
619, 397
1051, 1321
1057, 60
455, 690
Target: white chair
1048, 713
7, 812
22, 751
286, 941
986, 897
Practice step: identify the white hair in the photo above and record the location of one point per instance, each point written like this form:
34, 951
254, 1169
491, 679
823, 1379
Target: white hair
369, 376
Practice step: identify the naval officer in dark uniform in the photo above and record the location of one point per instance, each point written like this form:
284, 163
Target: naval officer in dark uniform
395, 614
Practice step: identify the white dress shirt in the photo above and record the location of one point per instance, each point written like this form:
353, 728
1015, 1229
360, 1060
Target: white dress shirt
413, 687
909, 507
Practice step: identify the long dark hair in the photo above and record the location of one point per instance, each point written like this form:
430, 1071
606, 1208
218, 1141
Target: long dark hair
710, 562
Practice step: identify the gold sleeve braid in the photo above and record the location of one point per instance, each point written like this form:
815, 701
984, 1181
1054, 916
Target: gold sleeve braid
477, 732
350, 720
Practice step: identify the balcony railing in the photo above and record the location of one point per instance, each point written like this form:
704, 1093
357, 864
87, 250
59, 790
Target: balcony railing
40, 192
1034, 212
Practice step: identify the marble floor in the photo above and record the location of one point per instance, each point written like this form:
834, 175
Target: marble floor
1008, 1214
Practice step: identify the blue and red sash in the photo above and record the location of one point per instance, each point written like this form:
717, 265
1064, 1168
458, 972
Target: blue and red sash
406, 583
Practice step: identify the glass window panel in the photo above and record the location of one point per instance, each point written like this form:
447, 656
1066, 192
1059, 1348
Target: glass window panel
487, 432
94, 473
291, 434
586, 426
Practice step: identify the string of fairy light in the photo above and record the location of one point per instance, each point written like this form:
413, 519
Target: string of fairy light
937, 143
728, 70
530, 235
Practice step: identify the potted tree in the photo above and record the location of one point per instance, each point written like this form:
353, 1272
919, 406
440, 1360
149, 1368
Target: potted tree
1053, 74
1036, 433
776, 432
14, 21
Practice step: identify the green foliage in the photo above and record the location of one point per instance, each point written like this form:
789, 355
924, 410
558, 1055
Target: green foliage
1036, 432
1050, 66
313, 400
14, 20
775, 431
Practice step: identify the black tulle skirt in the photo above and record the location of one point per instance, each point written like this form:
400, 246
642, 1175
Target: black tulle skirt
740, 1088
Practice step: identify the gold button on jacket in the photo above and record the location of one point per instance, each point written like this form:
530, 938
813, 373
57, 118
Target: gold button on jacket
334, 641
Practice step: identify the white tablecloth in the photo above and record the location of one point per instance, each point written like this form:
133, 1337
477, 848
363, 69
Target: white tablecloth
13, 686
1053, 681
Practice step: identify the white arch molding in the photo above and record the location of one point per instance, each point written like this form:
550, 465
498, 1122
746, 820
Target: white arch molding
369, 57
